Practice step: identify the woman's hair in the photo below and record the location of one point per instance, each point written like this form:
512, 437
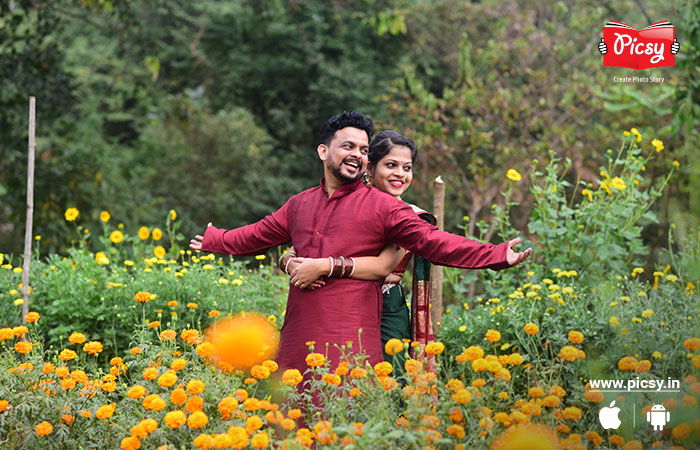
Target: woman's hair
384, 141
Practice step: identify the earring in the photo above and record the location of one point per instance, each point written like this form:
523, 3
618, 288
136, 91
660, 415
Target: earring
368, 179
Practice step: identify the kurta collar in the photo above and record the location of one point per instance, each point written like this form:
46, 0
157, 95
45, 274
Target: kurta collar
344, 189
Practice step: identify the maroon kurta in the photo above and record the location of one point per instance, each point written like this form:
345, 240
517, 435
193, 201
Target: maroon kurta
357, 220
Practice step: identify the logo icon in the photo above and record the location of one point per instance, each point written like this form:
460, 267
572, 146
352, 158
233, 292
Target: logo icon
652, 46
608, 416
658, 417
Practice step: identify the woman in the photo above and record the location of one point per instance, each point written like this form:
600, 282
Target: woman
391, 158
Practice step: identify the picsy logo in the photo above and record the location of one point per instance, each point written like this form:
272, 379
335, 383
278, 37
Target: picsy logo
652, 46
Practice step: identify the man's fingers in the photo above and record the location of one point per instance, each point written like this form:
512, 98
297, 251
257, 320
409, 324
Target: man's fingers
514, 242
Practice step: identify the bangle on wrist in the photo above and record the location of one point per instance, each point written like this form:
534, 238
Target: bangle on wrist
330, 272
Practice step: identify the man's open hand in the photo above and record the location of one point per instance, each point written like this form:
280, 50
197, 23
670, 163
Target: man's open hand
196, 243
513, 257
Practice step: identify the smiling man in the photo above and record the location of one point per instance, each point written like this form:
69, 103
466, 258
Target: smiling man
343, 216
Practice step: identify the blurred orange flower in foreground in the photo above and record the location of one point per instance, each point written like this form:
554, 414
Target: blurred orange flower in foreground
242, 341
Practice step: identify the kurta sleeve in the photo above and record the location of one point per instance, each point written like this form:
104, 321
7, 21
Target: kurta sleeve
250, 239
407, 230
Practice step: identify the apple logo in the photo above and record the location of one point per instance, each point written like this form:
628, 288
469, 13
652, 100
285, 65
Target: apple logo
608, 417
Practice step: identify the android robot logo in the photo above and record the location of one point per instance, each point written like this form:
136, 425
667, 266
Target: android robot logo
658, 417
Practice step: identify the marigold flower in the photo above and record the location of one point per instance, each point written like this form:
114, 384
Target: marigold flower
288, 424
627, 363
71, 214
643, 366
105, 411
575, 337
6, 333
226, 406
167, 335
383, 368
531, 328
116, 236
291, 377
572, 413
197, 420
168, 379
203, 441
358, 373
493, 336
315, 359
44, 428
190, 336
20, 331
331, 379
142, 297
536, 391
238, 436
462, 396
32, 317
194, 403
692, 344
393, 346
617, 440
77, 338
175, 419
514, 175
434, 348
324, 432
260, 372
67, 355
570, 353
205, 349
23, 347
260, 440
456, 431
195, 387
153, 402
136, 392
144, 232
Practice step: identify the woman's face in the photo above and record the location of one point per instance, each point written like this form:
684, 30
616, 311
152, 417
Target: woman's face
393, 173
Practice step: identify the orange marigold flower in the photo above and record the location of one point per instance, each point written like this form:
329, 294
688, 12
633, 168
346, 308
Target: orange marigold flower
462, 396
130, 443
32, 317
294, 413
20, 330
383, 368
572, 413
136, 392
575, 337
174, 419
393, 346
617, 440
77, 338
288, 424
358, 373
168, 379
154, 324
535, 391
23, 347
67, 355
153, 402
681, 431
324, 432
473, 353
105, 411
456, 431
315, 359
44, 428
493, 336
260, 440
93, 348
271, 365
551, 400
205, 349
514, 359
178, 364
195, 387
692, 344
194, 403
643, 366
331, 379
4, 405
48, 368
190, 336
479, 365
412, 366
197, 420
239, 437
150, 373
253, 423
203, 441
178, 396
291, 377
570, 353
135, 350
192, 305
354, 392
456, 415
142, 297
594, 438
435, 348
226, 406
304, 437
260, 372
531, 328
627, 363
342, 369
167, 335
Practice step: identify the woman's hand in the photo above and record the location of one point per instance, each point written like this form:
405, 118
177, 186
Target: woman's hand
306, 272
196, 243
392, 278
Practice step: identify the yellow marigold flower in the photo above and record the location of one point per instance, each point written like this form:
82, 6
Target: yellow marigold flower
44, 428
144, 233
197, 420
575, 337
173, 215
32, 317
6, 333
195, 387
260, 440
531, 328
101, 258
676, 163
393, 346
315, 359
178, 364
618, 183
570, 353
142, 297
203, 441
292, 377
588, 194
383, 368
23, 347
572, 413
116, 236
658, 145
614, 321
159, 252
175, 419
238, 437
191, 336
627, 363
535, 391
551, 400
271, 365
331, 379
493, 336
434, 348
656, 355
647, 313
168, 379
104, 216
71, 214
513, 175
157, 234
604, 186
105, 411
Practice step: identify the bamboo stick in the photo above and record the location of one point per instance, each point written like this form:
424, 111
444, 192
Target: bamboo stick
30, 210
435, 270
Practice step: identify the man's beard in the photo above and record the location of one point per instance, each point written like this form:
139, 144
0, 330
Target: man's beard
345, 179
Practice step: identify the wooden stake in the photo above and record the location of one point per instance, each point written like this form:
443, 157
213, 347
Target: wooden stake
30, 210
436, 271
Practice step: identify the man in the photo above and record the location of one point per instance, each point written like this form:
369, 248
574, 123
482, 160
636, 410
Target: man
343, 216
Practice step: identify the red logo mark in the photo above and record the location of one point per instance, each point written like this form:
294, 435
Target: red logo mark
652, 46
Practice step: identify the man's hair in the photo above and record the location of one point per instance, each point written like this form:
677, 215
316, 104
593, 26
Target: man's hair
385, 141
352, 119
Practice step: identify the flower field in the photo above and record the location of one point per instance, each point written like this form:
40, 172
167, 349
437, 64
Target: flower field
119, 350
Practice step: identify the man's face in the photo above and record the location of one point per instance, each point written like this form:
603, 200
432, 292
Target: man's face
345, 157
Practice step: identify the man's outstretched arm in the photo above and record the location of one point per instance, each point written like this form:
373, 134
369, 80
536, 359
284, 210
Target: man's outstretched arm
408, 231
247, 240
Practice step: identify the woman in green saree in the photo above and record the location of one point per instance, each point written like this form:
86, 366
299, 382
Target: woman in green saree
391, 157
